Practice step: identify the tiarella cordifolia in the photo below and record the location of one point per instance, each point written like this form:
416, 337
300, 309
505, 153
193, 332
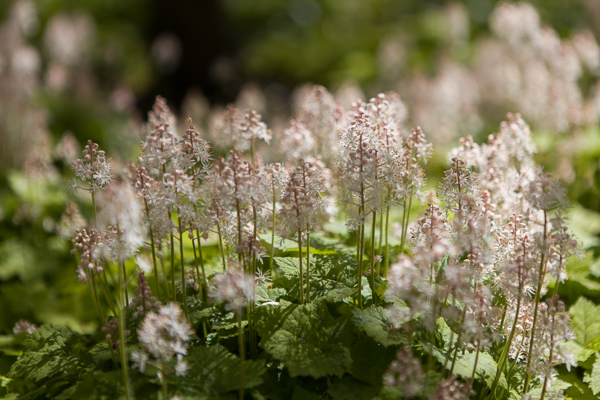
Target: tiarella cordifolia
71, 221
194, 154
452, 389
297, 141
94, 169
301, 204
144, 301
317, 110
301, 211
164, 337
121, 217
24, 327
86, 245
233, 287
504, 165
361, 186
405, 372
240, 130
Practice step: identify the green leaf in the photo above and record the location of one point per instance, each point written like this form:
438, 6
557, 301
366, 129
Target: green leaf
280, 243
580, 352
585, 320
307, 338
96, 385
593, 378
374, 322
263, 295
218, 371
50, 351
328, 272
376, 356
578, 389
593, 345
198, 315
585, 224
579, 272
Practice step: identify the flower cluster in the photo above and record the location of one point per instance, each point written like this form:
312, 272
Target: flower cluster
164, 336
94, 168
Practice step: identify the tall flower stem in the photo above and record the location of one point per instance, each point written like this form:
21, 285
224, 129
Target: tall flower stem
254, 267
307, 267
372, 277
122, 348
476, 360
220, 240
242, 347
405, 220
362, 223
164, 271
124, 286
404, 217
94, 293
153, 249
182, 261
173, 292
196, 267
536, 300
300, 263
360, 263
201, 259
273, 232
387, 246
504, 356
106, 292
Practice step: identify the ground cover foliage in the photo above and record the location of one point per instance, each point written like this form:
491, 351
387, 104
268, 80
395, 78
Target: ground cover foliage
313, 259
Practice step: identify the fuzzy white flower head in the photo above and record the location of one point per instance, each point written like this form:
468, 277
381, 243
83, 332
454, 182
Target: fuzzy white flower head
164, 337
234, 287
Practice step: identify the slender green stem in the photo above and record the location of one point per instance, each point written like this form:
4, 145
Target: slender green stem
273, 232
94, 208
402, 226
549, 357
307, 267
164, 271
196, 265
221, 244
300, 262
106, 292
124, 287
476, 360
387, 246
92, 287
462, 318
182, 261
372, 277
360, 264
152, 247
173, 291
379, 244
252, 152
123, 350
242, 347
537, 301
504, 356
201, 259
